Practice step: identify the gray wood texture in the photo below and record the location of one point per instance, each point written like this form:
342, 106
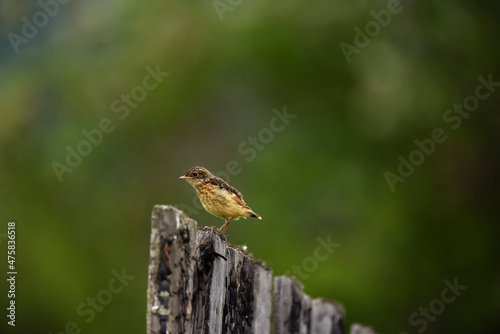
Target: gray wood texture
291, 308
200, 284
295, 312
358, 329
170, 271
247, 306
326, 317
209, 281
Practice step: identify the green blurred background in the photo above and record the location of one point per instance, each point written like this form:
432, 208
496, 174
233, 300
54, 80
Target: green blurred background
321, 176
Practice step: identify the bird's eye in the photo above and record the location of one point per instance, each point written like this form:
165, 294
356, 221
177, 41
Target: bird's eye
195, 174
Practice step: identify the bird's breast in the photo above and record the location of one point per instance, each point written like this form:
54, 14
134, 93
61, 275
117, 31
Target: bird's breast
219, 202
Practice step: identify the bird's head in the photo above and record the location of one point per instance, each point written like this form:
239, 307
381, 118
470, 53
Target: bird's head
196, 175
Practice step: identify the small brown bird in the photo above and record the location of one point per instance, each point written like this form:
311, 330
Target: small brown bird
218, 197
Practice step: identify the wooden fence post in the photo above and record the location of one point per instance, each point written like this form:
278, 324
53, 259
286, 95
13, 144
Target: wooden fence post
294, 312
209, 282
358, 329
199, 284
170, 273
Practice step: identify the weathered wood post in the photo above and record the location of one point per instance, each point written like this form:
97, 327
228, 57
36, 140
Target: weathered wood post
295, 312
358, 329
200, 284
171, 267
197, 284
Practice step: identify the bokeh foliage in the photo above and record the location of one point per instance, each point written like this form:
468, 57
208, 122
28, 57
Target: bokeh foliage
323, 175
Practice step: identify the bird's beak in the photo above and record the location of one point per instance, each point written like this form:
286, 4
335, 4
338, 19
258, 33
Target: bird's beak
184, 177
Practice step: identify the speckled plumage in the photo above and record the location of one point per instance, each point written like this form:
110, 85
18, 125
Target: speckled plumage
217, 196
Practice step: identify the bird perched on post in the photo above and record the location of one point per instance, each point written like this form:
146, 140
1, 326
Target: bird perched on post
218, 197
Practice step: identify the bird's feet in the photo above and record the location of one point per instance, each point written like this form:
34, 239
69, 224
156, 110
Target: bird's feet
225, 226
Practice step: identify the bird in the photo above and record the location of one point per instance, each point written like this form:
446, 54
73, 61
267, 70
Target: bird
218, 197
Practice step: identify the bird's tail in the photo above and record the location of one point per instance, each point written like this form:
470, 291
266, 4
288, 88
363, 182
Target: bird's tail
253, 214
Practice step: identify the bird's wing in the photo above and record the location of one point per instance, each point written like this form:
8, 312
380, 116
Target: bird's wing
238, 197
